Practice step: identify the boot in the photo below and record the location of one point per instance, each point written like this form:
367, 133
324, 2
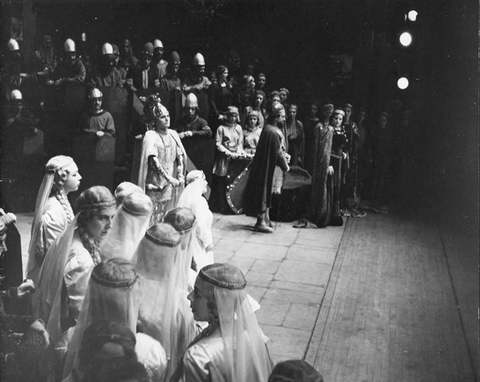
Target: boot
267, 218
262, 225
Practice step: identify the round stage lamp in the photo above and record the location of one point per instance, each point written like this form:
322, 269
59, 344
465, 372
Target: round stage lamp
402, 83
412, 15
405, 39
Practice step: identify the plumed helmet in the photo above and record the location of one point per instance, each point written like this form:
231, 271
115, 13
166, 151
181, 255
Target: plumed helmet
107, 49
69, 45
15, 95
180, 218
198, 59
225, 276
95, 93
153, 105
13, 45
174, 58
157, 44
191, 100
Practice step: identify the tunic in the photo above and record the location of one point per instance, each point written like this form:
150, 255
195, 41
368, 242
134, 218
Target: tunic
296, 142
251, 138
114, 78
199, 127
258, 191
74, 72
91, 123
170, 82
168, 151
229, 140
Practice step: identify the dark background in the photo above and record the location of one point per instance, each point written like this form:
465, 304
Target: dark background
293, 41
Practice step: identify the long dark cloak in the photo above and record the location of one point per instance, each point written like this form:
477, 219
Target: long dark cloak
319, 213
258, 191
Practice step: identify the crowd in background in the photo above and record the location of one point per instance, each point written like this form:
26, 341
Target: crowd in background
188, 318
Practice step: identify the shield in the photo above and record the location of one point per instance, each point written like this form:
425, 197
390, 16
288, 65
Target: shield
291, 204
236, 183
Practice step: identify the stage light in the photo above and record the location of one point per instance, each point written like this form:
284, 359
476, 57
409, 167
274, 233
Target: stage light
402, 83
405, 39
412, 15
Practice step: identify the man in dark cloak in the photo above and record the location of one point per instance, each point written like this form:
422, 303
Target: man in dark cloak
321, 194
269, 154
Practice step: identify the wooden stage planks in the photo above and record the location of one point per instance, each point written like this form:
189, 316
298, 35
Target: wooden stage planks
389, 312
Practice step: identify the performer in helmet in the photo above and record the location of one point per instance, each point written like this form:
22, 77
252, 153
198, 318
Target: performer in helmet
71, 70
162, 162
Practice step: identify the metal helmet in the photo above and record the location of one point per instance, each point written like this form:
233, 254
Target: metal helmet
13, 45
148, 49
174, 58
107, 49
16, 95
95, 93
199, 60
157, 44
191, 100
69, 45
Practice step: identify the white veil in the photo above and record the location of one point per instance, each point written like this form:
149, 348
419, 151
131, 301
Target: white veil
192, 199
246, 351
115, 299
179, 318
154, 261
47, 301
128, 227
36, 239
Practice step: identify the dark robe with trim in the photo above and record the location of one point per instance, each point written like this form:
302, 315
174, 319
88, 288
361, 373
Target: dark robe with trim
319, 207
258, 191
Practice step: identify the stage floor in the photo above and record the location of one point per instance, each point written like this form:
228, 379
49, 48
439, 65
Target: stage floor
383, 298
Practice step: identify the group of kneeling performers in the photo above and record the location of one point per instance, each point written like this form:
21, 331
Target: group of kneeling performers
131, 277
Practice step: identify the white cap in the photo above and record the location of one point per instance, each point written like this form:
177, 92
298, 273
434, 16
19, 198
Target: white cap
95, 93
198, 59
69, 45
107, 48
13, 45
15, 95
157, 44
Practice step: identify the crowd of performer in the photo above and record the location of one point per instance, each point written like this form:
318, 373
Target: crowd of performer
126, 285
